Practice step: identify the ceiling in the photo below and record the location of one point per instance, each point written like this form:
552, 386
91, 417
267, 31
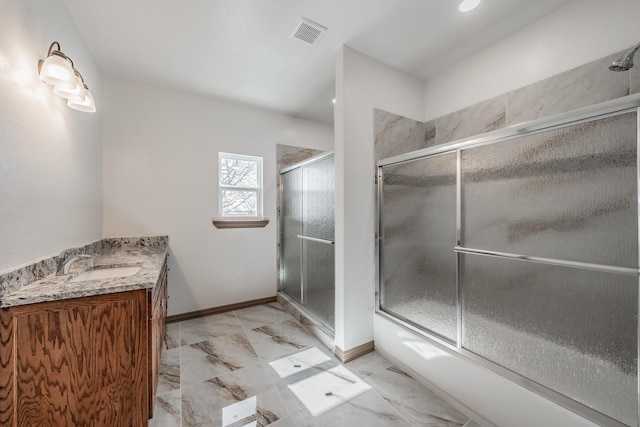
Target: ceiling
243, 50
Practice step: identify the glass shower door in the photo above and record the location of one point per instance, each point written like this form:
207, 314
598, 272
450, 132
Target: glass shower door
291, 246
521, 253
419, 266
559, 302
317, 236
308, 256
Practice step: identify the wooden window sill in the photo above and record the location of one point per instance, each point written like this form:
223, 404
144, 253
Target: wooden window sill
239, 223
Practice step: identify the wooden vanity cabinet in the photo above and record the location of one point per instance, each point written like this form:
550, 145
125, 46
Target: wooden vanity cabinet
75, 362
157, 302
90, 361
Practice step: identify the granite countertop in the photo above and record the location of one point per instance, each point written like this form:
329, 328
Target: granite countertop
147, 253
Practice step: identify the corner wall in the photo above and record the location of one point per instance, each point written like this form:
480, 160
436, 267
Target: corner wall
362, 84
50, 155
161, 176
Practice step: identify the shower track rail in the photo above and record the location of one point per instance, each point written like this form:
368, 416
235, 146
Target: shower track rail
598, 111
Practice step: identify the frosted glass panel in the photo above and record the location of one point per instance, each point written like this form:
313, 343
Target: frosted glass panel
568, 193
291, 276
419, 229
572, 330
319, 288
318, 187
308, 267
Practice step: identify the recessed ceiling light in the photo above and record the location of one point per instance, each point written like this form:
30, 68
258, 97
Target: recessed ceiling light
468, 5
333, 100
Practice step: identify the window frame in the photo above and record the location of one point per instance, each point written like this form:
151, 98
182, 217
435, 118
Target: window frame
258, 189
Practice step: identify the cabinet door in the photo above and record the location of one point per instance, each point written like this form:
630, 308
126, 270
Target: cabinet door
6, 368
81, 362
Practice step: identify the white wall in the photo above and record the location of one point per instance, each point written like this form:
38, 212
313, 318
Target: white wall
362, 84
50, 155
582, 31
160, 177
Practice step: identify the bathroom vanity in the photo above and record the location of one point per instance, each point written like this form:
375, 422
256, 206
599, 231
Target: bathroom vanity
83, 348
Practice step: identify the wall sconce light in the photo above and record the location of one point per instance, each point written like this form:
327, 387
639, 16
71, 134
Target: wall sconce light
58, 70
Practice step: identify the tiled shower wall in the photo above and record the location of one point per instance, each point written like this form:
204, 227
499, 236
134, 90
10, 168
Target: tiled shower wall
582, 86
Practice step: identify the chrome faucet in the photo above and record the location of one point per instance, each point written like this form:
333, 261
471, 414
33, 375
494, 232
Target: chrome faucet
67, 264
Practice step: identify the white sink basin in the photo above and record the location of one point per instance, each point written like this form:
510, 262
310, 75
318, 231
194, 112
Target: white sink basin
101, 273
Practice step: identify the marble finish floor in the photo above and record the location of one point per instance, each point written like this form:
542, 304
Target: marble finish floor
215, 372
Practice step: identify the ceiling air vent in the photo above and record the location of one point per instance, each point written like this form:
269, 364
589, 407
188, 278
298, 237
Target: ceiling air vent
309, 31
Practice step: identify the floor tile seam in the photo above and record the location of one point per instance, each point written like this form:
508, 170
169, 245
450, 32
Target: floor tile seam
255, 342
402, 415
208, 379
407, 408
283, 403
210, 337
215, 340
407, 384
166, 393
286, 406
379, 394
389, 410
242, 324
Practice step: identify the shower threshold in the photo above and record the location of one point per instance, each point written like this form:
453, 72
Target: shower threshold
317, 329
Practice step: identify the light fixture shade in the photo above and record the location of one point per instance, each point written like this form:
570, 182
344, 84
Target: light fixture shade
77, 93
88, 105
57, 71
468, 5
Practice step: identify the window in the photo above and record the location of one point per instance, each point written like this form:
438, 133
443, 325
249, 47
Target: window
240, 186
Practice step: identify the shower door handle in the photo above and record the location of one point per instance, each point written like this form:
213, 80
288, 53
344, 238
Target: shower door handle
550, 261
315, 239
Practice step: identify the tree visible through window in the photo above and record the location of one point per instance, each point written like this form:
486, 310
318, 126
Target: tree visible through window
240, 186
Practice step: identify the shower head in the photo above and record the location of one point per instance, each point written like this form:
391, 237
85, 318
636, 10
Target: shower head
625, 62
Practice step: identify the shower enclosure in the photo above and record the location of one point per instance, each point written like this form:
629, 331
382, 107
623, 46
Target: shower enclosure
518, 250
307, 272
